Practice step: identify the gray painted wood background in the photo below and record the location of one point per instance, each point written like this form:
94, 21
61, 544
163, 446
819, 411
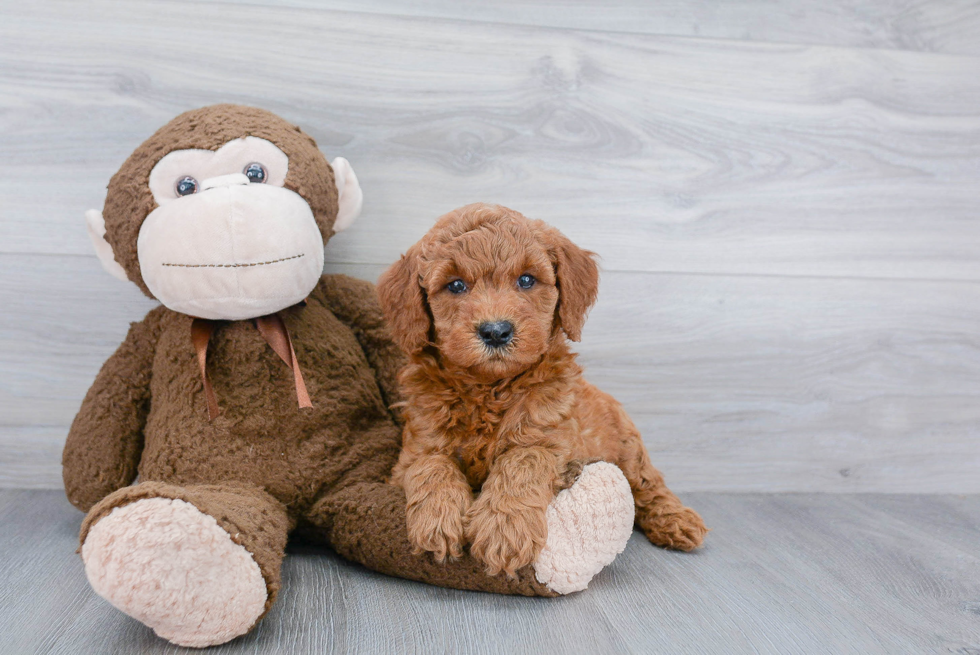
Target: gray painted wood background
785, 195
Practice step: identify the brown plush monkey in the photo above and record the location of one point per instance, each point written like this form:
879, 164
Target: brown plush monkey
255, 401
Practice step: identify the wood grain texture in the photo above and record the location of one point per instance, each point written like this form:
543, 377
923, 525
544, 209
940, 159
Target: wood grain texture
931, 26
665, 154
780, 574
746, 383
788, 228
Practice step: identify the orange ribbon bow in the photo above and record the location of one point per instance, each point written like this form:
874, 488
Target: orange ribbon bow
273, 330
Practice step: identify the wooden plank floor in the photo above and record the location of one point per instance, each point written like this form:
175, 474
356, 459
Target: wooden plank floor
781, 574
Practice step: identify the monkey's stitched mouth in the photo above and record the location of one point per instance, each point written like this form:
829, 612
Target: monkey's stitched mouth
272, 261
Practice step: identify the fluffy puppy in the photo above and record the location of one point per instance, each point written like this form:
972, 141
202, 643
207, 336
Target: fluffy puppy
494, 401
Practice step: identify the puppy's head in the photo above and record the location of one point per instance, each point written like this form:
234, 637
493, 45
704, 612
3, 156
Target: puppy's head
489, 289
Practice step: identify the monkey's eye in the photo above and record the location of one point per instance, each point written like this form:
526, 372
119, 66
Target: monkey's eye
526, 281
255, 172
456, 286
186, 186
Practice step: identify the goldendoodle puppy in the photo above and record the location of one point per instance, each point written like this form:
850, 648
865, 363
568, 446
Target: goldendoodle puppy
495, 403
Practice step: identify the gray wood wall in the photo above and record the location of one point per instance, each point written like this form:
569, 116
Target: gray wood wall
786, 197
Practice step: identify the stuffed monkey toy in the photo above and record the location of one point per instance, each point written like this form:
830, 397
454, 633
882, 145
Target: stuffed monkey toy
256, 401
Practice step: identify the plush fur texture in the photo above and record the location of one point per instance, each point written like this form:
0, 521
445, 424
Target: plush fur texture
129, 201
588, 526
200, 590
264, 467
505, 421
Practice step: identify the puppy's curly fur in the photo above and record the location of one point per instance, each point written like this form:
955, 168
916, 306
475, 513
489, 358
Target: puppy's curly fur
505, 420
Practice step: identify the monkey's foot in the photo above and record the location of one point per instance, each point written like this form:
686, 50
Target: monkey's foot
588, 525
171, 566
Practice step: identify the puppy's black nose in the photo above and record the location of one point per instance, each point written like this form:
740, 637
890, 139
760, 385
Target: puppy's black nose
496, 333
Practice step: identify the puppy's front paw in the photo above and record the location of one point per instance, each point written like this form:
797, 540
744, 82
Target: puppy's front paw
505, 541
680, 529
437, 527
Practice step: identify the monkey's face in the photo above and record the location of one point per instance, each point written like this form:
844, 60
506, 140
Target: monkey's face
227, 240
223, 213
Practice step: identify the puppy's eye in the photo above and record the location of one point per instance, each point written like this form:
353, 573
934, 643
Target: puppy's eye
185, 186
456, 286
255, 172
526, 281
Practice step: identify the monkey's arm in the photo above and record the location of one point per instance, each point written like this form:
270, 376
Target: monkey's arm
365, 523
355, 302
105, 441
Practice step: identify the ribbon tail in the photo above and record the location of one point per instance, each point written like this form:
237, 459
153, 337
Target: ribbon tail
301, 394
273, 330
201, 330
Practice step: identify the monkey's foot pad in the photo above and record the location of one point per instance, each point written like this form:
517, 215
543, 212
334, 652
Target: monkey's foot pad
588, 526
172, 567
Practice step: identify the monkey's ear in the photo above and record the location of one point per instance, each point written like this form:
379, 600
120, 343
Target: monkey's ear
349, 196
404, 305
96, 232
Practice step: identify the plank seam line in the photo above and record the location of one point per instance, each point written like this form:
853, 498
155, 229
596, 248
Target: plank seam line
583, 30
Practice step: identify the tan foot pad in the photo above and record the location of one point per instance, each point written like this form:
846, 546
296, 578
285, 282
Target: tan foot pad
169, 565
588, 525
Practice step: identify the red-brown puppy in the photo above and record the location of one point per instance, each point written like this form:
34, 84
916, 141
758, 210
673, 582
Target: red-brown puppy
495, 402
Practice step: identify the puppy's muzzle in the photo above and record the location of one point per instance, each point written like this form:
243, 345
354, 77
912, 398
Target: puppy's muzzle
496, 334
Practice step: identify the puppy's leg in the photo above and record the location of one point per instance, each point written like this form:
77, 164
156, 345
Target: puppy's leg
507, 526
438, 497
659, 513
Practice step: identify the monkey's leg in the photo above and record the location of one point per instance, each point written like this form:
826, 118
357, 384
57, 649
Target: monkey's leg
659, 513
589, 524
198, 564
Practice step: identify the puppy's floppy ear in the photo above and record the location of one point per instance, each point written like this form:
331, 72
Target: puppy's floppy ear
578, 281
404, 305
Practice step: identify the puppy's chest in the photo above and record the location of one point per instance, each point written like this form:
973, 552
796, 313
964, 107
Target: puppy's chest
475, 436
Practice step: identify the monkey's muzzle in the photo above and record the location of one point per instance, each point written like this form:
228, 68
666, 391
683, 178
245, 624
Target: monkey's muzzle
232, 251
